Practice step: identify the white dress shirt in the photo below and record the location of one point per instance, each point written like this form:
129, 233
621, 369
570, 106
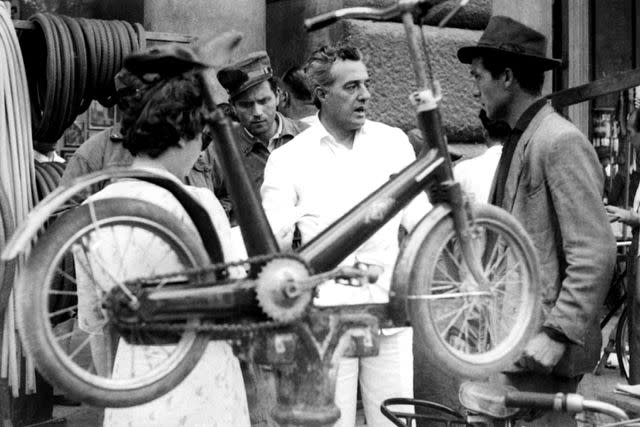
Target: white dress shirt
313, 180
476, 175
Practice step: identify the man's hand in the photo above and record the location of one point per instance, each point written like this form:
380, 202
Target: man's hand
541, 354
625, 216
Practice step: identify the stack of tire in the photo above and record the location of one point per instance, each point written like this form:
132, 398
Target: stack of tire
70, 62
48, 175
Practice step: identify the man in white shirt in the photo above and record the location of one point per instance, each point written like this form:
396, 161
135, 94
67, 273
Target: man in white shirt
320, 175
476, 175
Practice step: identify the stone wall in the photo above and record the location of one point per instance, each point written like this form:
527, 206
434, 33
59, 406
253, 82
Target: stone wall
393, 79
389, 66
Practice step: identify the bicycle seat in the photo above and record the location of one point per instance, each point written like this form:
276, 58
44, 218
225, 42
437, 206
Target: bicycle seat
487, 399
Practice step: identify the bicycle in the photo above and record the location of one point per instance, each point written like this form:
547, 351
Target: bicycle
491, 405
618, 340
467, 276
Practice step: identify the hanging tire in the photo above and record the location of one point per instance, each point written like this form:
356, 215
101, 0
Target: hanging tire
469, 330
72, 360
622, 343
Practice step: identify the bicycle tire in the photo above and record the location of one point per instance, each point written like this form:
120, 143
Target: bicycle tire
622, 342
35, 321
440, 284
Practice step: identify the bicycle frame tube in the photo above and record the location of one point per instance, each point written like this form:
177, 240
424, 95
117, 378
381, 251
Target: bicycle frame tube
256, 231
345, 235
430, 124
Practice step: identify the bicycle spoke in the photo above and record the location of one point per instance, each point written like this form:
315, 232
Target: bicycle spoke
55, 292
65, 336
116, 244
66, 275
63, 310
86, 341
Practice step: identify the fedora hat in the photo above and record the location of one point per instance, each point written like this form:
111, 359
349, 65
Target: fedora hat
510, 38
246, 73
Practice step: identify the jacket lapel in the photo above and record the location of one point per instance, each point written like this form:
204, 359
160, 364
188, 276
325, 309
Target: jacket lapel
518, 161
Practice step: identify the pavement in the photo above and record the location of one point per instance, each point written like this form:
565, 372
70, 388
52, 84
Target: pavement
599, 387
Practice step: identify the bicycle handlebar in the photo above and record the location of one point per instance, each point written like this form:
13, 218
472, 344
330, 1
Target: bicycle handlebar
570, 403
321, 21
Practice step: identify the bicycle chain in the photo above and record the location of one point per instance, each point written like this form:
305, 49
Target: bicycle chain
219, 330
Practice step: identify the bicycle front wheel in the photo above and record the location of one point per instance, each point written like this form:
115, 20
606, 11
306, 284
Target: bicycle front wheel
60, 296
622, 343
467, 327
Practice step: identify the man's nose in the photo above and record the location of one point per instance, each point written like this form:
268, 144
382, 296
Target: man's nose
476, 93
364, 93
256, 110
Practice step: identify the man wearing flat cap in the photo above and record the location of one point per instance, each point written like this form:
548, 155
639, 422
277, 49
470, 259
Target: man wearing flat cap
550, 179
254, 96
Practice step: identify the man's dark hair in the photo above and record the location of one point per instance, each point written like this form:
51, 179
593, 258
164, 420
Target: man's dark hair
296, 81
159, 117
318, 66
529, 76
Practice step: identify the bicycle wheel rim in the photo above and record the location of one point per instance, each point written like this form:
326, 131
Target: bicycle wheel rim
110, 384
438, 338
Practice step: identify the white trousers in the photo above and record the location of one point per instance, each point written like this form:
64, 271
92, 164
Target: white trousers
389, 374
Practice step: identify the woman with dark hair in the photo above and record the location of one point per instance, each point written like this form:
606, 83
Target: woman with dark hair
163, 128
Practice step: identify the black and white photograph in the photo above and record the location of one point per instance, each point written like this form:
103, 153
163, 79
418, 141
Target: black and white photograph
349, 213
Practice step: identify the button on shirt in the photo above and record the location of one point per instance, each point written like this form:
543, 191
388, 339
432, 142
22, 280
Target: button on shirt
313, 180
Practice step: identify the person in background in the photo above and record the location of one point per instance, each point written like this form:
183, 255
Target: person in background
550, 180
604, 157
296, 100
105, 150
254, 97
45, 153
163, 133
476, 175
618, 182
631, 217
320, 175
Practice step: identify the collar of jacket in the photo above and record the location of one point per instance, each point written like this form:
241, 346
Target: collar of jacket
290, 128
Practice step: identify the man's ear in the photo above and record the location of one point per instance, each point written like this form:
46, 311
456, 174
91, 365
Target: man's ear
320, 93
508, 78
285, 99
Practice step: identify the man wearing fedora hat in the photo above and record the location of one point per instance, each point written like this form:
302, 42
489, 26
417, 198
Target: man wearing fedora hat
254, 96
550, 179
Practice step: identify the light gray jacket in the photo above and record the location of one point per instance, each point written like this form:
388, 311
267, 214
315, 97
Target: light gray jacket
554, 189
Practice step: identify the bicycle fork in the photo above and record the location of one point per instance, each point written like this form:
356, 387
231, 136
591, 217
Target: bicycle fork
464, 220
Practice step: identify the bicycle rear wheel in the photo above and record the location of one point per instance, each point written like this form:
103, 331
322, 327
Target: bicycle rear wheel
622, 343
464, 326
71, 268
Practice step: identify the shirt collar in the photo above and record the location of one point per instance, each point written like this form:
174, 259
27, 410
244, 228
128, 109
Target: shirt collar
322, 134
